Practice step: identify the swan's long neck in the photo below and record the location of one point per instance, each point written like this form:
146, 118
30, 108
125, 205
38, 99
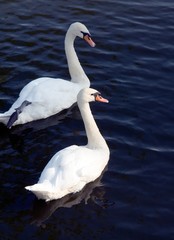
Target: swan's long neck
95, 139
75, 69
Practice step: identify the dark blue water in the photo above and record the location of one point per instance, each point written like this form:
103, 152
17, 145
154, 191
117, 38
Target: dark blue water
132, 65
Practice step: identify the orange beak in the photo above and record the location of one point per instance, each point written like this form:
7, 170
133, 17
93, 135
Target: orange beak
89, 40
99, 98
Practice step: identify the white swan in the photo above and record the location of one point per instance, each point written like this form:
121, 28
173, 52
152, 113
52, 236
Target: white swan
70, 169
46, 96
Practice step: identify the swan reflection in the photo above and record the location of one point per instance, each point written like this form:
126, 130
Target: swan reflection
93, 191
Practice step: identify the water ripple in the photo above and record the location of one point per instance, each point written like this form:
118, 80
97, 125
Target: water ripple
132, 65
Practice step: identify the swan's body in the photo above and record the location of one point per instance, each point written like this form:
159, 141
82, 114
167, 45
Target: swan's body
48, 96
70, 169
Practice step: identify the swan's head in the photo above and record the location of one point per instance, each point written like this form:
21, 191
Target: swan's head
87, 95
80, 30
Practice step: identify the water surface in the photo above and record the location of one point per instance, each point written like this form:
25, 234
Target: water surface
131, 65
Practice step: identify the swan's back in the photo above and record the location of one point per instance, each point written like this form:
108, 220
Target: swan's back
69, 171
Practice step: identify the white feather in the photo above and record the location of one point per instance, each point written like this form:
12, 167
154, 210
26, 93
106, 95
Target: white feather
70, 169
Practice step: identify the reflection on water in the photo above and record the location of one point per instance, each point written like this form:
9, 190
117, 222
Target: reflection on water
93, 191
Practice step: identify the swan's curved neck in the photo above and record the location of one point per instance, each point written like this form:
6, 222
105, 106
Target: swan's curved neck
95, 139
75, 69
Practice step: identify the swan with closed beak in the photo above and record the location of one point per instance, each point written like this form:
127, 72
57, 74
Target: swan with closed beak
44, 97
70, 169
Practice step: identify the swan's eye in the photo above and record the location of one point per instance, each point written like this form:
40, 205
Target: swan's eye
94, 94
86, 34
97, 94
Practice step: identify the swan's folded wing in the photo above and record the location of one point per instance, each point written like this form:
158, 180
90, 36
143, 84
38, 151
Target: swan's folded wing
53, 171
83, 165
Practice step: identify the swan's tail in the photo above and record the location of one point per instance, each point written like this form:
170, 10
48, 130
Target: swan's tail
4, 118
15, 115
41, 191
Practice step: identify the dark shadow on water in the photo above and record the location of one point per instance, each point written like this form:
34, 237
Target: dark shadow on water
45, 123
93, 191
16, 135
16, 131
